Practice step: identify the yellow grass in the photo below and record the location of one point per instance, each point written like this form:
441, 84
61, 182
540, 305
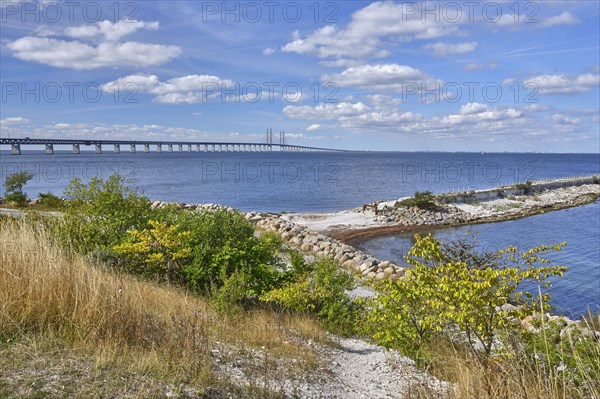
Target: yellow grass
47, 295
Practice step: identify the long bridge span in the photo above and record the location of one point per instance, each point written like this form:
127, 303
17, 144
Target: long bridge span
171, 146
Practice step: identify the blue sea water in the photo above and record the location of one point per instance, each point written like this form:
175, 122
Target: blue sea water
303, 182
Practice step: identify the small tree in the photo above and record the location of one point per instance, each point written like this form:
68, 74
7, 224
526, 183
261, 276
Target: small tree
442, 295
421, 199
14, 187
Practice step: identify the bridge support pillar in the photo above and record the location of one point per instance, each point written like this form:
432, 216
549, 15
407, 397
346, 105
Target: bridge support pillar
205, 147
49, 149
159, 148
170, 147
220, 147
15, 149
132, 148
146, 147
179, 147
98, 148
189, 148
117, 149
197, 147
76, 149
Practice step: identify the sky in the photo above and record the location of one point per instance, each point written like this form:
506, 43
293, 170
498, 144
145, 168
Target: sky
383, 76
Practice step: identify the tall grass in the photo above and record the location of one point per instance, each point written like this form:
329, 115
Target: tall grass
45, 292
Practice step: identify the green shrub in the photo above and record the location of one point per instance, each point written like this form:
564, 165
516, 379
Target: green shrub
441, 294
221, 244
50, 200
318, 288
99, 214
423, 200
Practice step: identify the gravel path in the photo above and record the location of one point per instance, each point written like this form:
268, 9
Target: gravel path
363, 370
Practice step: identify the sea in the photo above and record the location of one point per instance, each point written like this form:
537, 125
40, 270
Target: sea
329, 182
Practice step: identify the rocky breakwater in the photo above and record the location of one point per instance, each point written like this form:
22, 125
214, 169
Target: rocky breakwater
414, 216
196, 207
320, 245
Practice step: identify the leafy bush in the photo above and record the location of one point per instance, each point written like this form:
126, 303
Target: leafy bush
318, 288
444, 295
99, 214
14, 184
158, 251
50, 200
423, 200
221, 244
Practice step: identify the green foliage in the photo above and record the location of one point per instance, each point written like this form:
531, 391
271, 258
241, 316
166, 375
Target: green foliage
160, 250
14, 184
318, 288
99, 214
441, 294
423, 200
221, 244
50, 200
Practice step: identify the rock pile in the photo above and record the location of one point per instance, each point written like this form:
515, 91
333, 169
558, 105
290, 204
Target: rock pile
413, 216
538, 321
319, 245
198, 207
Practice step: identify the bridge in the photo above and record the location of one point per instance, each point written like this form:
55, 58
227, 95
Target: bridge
171, 146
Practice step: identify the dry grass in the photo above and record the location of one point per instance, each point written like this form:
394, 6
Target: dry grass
51, 302
502, 378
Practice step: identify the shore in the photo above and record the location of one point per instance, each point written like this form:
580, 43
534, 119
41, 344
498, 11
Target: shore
349, 225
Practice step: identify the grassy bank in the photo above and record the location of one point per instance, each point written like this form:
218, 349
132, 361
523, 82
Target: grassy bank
68, 329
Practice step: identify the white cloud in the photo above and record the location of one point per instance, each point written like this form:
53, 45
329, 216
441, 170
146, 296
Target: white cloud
370, 27
81, 56
384, 115
381, 77
523, 20
192, 89
566, 18
111, 31
563, 84
104, 50
188, 89
16, 120
268, 51
443, 49
313, 127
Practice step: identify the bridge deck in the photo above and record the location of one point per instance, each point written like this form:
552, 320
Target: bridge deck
208, 146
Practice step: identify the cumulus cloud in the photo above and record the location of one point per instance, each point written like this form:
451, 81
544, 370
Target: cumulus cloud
109, 30
385, 115
15, 120
523, 20
565, 18
380, 77
564, 84
369, 30
102, 48
77, 55
188, 89
443, 49
268, 51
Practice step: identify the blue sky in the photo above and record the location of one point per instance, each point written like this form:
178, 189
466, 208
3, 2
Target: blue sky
452, 76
